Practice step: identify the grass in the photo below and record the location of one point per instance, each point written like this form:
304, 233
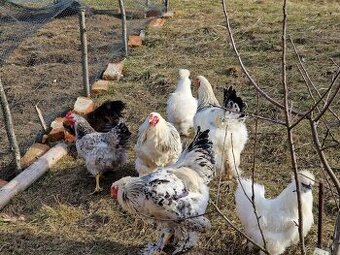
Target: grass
57, 216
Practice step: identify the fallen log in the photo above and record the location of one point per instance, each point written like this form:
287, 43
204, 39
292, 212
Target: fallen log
32, 173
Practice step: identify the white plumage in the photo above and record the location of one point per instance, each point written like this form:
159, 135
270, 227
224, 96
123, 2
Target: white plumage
278, 216
172, 197
227, 129
181, 105
158, 144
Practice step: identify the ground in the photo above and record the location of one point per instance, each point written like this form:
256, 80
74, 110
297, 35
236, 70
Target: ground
56, 215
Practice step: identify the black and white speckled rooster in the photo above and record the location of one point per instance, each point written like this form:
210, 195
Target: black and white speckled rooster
173, 198
102, 151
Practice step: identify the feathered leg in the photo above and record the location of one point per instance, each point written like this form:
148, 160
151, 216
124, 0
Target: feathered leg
157, 248
187, 240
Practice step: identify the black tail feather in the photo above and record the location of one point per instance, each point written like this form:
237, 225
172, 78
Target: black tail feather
231, 98
106, 116
123, 133
202, 143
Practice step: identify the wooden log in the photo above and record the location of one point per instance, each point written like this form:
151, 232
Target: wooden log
32, 173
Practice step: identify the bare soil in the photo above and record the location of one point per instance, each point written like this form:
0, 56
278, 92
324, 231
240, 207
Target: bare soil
46, 70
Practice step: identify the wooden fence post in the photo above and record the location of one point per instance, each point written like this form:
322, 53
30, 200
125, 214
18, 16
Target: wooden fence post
320, 215
124, 30
167, 5
84, 55
10, 128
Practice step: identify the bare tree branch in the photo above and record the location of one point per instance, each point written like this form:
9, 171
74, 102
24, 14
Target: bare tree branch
289, 129
239, 231
309, 79
329, 100
322, 156
324, 109
257, 87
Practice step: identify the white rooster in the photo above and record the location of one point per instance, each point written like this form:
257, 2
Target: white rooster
158, 144
278, 216
181, 105
102, 151
173, 198
227, 129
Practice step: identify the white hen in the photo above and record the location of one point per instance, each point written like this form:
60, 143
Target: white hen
278, 216
227, 129
173, 198
181, 105
158, 144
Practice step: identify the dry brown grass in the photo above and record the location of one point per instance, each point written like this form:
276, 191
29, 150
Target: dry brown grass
59, 215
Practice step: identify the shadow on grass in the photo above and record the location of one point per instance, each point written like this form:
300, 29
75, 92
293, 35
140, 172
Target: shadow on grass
28, 243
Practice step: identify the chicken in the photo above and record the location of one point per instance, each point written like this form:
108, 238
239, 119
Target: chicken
158, 144
278, 216
106, 116
227, 129
102, 151
181, 105
173, 198
103, 118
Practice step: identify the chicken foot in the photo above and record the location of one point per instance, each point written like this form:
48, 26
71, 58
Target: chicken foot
98, 188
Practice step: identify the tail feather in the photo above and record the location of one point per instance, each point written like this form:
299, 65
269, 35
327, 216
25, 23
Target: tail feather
232, 101
242, 195
199, 156
106, 116
123, 134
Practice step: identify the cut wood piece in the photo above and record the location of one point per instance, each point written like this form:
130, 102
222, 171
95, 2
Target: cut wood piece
318, 251
56, 134
153, 13
83, 105
157, 23
169, 14
135, 41
57, 123
113, 71
44, 139
100, 86
2, 183
32, 173
33, 153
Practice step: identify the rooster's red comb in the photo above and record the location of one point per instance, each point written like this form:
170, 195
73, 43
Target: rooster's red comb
68, 115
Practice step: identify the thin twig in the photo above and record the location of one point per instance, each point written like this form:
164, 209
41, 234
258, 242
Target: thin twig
252, 199
257, 87
41, 118
222, 164
239, 231
324, 109
289, 129
329, 100
322, 156
309, 79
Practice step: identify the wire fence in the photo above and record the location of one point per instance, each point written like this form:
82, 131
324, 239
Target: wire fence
40, 57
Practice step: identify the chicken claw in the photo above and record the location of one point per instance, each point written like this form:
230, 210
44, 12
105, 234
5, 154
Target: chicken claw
98, 189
